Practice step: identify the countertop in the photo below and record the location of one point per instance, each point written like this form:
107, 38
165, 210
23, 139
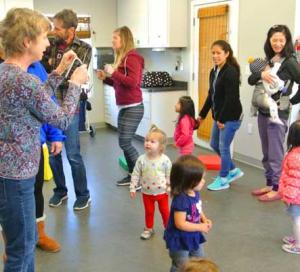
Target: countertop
178, 86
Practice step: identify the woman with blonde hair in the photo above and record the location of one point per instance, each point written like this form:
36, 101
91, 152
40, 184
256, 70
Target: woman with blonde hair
125, 75
25, 103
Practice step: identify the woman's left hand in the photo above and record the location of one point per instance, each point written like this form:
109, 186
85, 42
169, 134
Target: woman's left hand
220, 125
109, 69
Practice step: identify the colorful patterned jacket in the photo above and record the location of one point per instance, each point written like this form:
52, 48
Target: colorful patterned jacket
289, 183
25, 103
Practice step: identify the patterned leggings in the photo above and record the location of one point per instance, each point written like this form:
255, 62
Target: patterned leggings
128, 122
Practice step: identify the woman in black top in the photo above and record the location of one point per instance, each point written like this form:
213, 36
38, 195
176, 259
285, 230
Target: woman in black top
224, 101
278, 48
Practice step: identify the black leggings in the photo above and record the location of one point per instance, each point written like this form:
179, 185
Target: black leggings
128, 122
38, 189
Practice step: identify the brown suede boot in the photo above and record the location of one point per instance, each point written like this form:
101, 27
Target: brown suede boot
45, 242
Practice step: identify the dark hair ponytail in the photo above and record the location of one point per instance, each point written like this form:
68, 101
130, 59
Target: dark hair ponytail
230, 59
293, 139
187, 107
186, 173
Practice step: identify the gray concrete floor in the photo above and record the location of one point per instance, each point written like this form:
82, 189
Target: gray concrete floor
246, 235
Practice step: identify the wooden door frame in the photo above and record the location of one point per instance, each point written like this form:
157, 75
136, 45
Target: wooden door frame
194, 45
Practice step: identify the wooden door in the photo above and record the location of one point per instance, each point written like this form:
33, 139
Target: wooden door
213, 25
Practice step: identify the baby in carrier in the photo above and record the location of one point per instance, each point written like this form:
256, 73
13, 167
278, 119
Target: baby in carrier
263, 91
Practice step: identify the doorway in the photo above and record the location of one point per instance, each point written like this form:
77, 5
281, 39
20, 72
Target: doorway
211, 20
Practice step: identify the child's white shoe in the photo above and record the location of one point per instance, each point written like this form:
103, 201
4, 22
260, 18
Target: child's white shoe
291, 248
147, 234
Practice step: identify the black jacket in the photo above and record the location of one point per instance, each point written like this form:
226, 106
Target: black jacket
289, 70
225, 102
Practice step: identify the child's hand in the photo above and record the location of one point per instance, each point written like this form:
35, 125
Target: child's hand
132, 194
204, 227
199, 121
220, 125
101, 74
209, 223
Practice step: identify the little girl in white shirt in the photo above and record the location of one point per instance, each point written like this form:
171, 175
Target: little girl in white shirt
152, 171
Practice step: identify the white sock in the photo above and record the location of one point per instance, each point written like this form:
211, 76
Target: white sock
224, 180
233, 171
296, 228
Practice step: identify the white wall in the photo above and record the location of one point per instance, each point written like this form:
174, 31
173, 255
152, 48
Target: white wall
1, 9
166, 61
103, 22
255, 18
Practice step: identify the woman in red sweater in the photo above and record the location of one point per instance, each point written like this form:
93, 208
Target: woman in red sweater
125, 75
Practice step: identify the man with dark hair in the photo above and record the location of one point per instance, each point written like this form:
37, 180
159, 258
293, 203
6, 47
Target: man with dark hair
65, 24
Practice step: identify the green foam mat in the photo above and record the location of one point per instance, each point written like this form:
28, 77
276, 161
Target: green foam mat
123, 163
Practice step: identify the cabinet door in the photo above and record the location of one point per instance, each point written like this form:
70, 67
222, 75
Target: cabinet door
158, 23
134, 14
107, 104
2, 10
18, 4
162, 110
111, 110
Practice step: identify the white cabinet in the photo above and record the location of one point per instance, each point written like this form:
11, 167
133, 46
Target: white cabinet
155, 23
134, 14
103, 20
159, 109
110, 108
145, 124
6, 5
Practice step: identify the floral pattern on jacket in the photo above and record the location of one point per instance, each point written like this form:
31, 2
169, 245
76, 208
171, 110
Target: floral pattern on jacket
289, 183
25, 103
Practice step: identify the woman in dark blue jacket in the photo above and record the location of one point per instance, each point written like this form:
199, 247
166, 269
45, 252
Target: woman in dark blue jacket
224, 101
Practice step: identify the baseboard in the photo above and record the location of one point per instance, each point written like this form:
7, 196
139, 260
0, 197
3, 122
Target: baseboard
99, 125
247, 160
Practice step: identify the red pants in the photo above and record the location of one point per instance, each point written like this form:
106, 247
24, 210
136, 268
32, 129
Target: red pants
163, 205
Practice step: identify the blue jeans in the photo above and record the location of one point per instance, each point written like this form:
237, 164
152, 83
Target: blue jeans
182, 256
72, 146
17, 219
221, 140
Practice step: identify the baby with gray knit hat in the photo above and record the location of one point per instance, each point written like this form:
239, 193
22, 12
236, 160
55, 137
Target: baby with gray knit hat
263, 91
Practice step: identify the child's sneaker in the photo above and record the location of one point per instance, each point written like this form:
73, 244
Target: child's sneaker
289, 240
147, 234
234, 175
291, 248
218, 184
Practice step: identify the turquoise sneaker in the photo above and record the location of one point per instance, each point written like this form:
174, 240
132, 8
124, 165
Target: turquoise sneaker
218, 184
234, 175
